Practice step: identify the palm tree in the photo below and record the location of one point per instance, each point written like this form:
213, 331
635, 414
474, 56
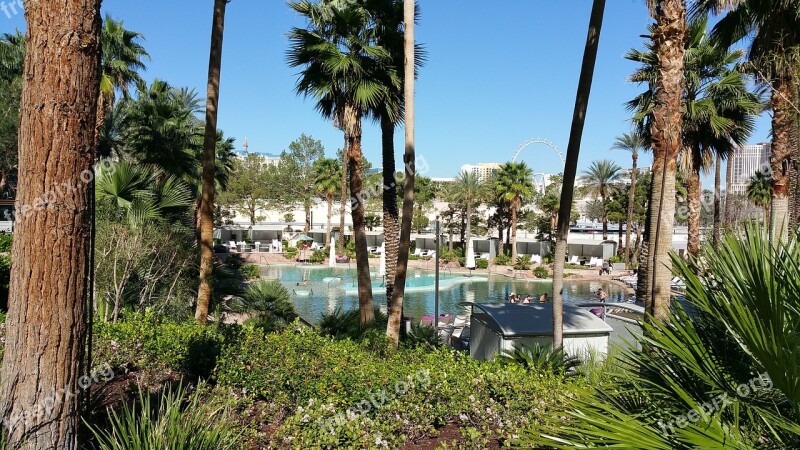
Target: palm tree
759, 192
206, 210
634, 143
409, 157
328, 173
771, 26
121, 60
48, 295
601, 179
571, 166
514, 184
344, 69
718, 109
468, 190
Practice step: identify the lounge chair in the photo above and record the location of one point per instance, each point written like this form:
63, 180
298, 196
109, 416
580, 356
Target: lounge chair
574, 260
232, 245
485, 256
257, 246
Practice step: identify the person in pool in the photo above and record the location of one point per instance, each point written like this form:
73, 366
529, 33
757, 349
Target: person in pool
528, 299
513, 298
602, 294
543, 298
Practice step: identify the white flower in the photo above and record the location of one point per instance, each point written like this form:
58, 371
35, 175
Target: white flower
300, 409
305, 419
536, 410
472, 398
462, 417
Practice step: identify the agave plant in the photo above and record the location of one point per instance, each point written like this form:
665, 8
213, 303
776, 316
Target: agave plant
723, 372
176, 420
541, 358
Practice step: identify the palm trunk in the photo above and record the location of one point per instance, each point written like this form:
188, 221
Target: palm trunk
794, 177
619, 239
693, 192
328, 228
46, 321
669, 36
605, 217
396, 309
354, 160
728, 193
631, 204
571, 166
645, 272
467, 226
209, 165
782, 124
514, 234
717, 202
104, 102
391, 225
343, 205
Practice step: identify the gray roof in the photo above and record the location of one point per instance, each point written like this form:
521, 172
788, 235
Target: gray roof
536, 319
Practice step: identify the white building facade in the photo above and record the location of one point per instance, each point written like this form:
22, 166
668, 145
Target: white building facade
746, 160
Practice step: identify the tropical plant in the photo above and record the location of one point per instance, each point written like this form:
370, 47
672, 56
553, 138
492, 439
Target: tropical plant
514, 184
540, 358
269, 303
771, 27
723, 375
601, 179
343, 68
327, 172
522, 263
759, 192
632, 142
176, 419
468, 192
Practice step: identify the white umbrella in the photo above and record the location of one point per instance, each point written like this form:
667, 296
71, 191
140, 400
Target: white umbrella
470, 262
332, 256
382, 268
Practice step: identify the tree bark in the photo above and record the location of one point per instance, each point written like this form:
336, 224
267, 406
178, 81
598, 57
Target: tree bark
605, 216
728, 193
514, 208
644, 272
631, 205
571, 166
206, 243
693, 203
717, 202
354, 160
391, 225
328, 229
669, 37
782, 123
409, 160
46, 321
340, 244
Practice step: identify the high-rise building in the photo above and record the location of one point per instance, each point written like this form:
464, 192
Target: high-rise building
746, 160
484, 171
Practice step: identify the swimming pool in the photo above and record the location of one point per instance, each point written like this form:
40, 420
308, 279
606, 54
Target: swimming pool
327, 289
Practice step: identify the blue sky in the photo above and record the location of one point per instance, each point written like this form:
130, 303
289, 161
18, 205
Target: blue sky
496, 76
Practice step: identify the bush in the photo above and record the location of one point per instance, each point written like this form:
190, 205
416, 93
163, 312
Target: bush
541, 272
481, 263
502, 260
347, 324
176, 420
539, 358
5, 242
271, 304
522, 263
251, 271
616, 259
318, 256
314, 381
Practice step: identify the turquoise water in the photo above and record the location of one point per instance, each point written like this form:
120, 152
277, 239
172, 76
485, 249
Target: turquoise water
326, 290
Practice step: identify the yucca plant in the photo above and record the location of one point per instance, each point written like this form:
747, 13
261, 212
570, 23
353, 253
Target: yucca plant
542, 358
176, 420
723, 372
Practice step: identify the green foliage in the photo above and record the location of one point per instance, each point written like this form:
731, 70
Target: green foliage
318, 256
156, 346
447, 255
482, 263
522, 263
175, 420
251, 271
616, 259
539, 358
724, 375
5, 242
347, 324
250, 186
541, 272
502, 260
316, 379
270, 304
426, 337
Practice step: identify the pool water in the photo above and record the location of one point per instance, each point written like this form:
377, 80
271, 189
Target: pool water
328, 289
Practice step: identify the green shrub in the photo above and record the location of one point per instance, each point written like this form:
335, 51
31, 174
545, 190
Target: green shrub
502, 260
481, 263
522, 263
5, 242
615, 259
540, 358
541, 272
347, 324
318, 257
426, 337
176, 420
270, 304
251, 271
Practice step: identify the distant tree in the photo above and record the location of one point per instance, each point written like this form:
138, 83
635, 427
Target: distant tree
759, 192
514, 184
296, 173
601, 179
327, 174
250, 187
634, 143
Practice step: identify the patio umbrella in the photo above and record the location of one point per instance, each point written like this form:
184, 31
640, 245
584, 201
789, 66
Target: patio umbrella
382, 268
332, 255
470, 262
303, 237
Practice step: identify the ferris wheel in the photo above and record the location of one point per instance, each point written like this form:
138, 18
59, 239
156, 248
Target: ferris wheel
542, 142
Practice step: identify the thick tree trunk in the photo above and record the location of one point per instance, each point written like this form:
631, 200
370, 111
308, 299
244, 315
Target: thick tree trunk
354, 160
782, 124
605, 217
307, 211
728, 192
794, 178
391, 224
206, 243
693, 202
717, 231
328, 228
645, 272
343, 206
514, 234
571, 166
631, 205
669, 36
409, 160
467, 233
46, 321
